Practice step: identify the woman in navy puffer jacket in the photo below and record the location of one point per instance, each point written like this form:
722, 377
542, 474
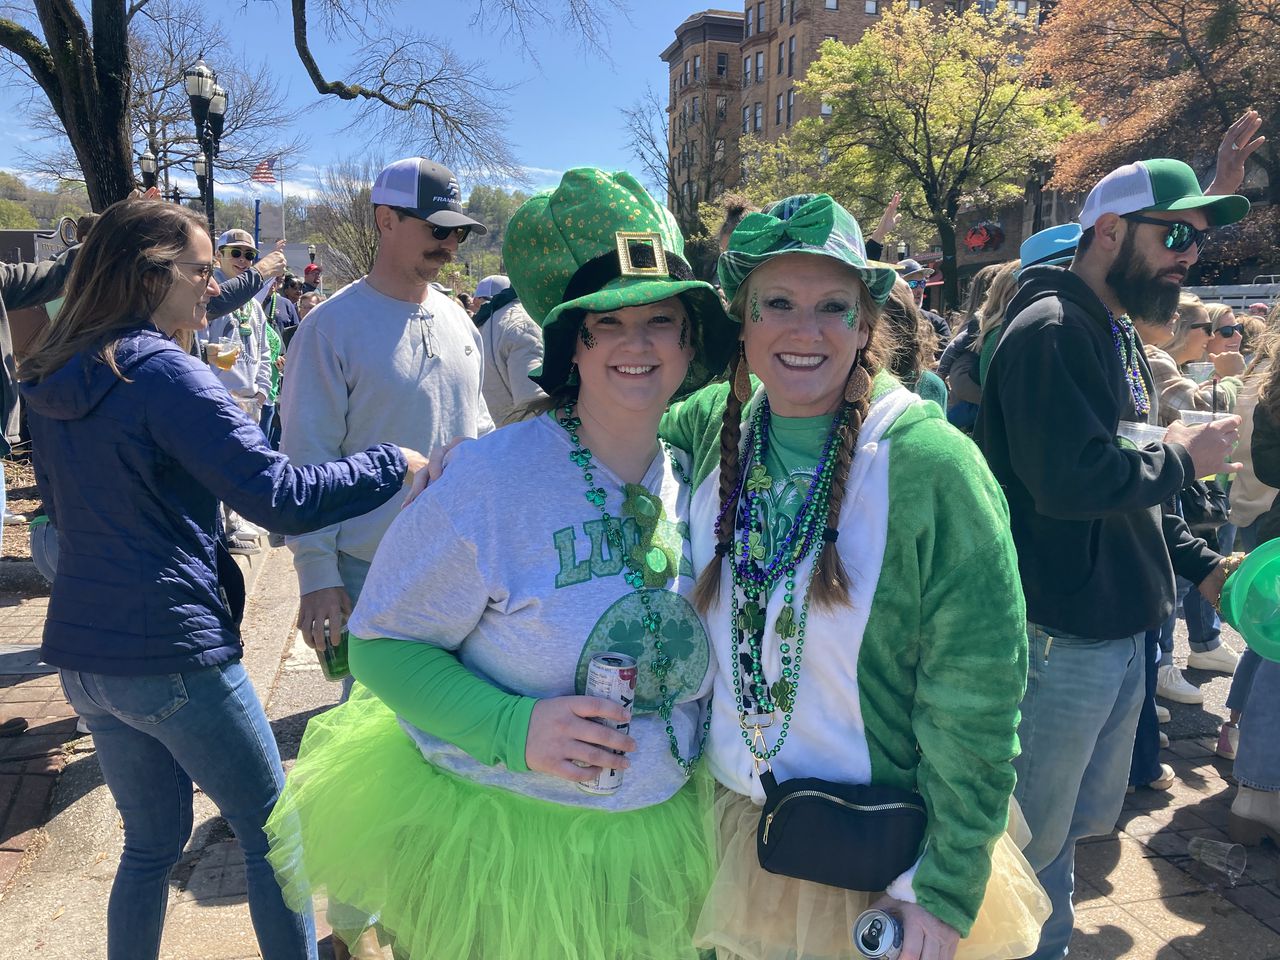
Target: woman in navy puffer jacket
138, 442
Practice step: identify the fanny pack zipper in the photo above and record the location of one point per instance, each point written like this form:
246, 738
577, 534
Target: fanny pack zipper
862, 808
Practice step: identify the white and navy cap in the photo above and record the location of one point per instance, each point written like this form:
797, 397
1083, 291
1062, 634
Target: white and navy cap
424, 189
492, 285
1160, 184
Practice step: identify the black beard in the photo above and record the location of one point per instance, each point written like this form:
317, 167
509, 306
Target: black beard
1143, 296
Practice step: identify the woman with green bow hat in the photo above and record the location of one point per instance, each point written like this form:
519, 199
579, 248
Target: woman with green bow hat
860, 589
446, 801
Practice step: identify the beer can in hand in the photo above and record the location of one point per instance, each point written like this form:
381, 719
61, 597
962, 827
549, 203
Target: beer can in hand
610, 676
333, 660
877, 935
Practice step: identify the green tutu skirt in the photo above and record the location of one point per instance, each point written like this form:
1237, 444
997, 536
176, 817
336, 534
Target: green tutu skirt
452, 869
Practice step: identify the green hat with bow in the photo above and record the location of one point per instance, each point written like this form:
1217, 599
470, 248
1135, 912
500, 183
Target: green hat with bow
806, 223
599, 242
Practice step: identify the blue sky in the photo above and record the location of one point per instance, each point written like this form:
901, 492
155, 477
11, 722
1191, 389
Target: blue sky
564, 110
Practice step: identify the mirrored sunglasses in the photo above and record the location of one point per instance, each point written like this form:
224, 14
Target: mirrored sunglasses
1229, 330
1179, 235
915, 284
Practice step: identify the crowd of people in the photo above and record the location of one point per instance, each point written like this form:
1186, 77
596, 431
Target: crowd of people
876, 662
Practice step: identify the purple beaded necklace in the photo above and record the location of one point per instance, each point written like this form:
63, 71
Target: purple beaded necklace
1125, 339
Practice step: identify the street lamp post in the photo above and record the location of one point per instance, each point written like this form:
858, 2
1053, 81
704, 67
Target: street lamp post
148, 165
902, 249
311, 252
208, 110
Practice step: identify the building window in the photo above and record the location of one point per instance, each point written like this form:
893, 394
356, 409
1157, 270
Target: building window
913, 4
832, 4
831, 36
760, 18
684, 76
871, 6
746, 71
722, 64
722, 107
781, 54
1019, 7
777, 112
751, 19
759, 115
825, 109
693, 113
760, 66
697, 67
693, 153
782, 11
718, 153
791, 56
746, 119
791, 106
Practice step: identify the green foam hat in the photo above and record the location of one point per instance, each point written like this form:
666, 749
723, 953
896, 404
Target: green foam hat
599, 242
805, 223
1251, 600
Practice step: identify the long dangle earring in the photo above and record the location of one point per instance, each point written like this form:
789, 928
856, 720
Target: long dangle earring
755, 307
858, 384
684, 333
742, 377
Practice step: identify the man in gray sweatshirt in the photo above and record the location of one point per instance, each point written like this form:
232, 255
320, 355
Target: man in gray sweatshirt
387, 357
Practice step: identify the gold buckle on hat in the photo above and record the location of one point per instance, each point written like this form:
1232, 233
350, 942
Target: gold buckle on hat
648, 240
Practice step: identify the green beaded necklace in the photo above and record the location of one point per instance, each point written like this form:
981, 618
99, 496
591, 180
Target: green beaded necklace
755, 576
643, 570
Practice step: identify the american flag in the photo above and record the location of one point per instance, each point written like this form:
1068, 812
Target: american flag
263, 172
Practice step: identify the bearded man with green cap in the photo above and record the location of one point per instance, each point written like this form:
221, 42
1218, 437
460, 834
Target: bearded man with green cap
1097, 550
488, 807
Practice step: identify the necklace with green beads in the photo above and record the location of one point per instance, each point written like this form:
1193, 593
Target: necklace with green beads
755, 574
643, 569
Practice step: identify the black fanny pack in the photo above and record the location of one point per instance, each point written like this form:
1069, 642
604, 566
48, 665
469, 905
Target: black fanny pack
857, 837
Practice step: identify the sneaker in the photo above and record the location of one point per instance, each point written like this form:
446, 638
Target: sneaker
246, 529
1162, 782
1172, 685
1228, 741
1162, 713
13, 519
82, 728
1217, 660
1164, 740
243, 546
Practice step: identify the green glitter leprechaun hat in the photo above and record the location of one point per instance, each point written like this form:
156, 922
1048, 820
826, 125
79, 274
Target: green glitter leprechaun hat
599, 242
805, 223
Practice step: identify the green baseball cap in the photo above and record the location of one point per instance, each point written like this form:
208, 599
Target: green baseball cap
1160, 184
599, 242
804, 223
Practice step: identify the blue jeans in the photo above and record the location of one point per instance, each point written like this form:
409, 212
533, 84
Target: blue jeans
1145, 765
1258, 756
270, 425
1204, 629
1079, 716
353, 572
154, 736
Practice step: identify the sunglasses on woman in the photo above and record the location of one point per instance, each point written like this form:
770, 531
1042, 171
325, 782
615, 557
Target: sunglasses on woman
1179, 235
1230, 330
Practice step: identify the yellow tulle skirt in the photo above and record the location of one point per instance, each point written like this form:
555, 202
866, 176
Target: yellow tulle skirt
751, 914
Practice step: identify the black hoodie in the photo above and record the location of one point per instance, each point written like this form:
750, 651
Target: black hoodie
1096, 548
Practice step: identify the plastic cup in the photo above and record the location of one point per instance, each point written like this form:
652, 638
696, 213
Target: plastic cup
1227, 858
1139, 434
223, 353
1200, 372
1251, 600
1194, 418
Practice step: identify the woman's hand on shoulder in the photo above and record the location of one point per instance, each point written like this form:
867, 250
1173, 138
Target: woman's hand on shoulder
434, 470
924, 936
562, 730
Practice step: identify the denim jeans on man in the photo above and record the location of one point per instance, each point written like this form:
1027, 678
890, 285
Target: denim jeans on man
1145, 765
154, 736
1079, 716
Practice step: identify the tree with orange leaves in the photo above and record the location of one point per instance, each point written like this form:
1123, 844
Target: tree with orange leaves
1165, 78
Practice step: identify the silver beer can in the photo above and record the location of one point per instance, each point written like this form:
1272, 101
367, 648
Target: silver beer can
877, 935
610, 676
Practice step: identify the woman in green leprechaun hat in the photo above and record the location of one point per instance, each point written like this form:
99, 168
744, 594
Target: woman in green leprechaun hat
446, 799
860, 588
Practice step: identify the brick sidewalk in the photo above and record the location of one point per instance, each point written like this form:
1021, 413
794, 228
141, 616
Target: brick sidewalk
30, 763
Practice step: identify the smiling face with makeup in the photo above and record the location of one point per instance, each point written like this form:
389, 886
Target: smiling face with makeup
812, 321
